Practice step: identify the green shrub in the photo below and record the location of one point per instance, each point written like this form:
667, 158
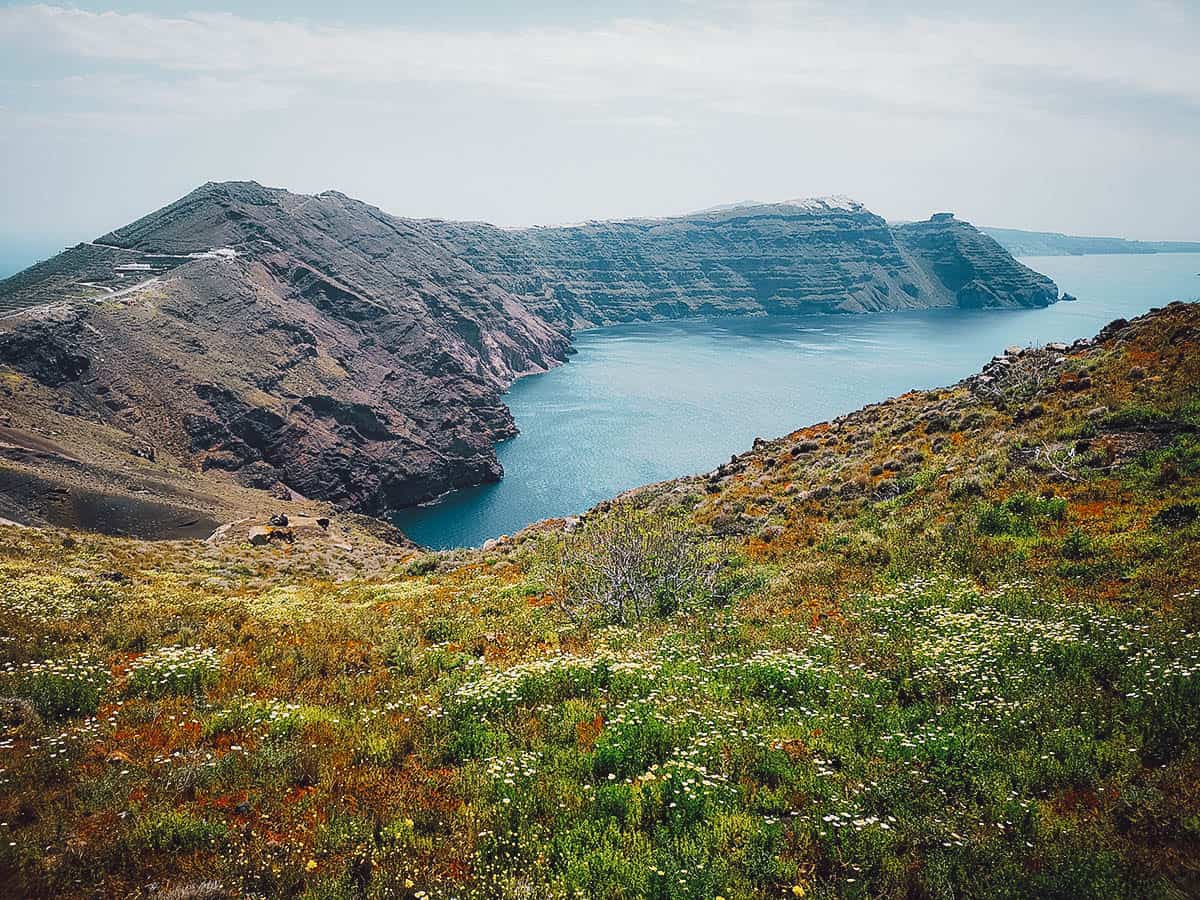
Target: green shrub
60, 689
597, 861
1136, 416
551, 678
1164, 694
781, 676
1165, 467
1085, 872
473, 739
343, 832
967, 486
175, 830
292, 719
441, 630
690, 794
1078, 545
1142, 416
632, 744
423, 565
172, 671
1020, 514
237, 717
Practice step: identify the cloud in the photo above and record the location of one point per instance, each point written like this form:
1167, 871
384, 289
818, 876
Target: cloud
1074, 115
775, 60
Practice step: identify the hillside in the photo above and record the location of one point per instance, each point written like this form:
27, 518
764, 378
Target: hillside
1052, 243
317, 347
946, 645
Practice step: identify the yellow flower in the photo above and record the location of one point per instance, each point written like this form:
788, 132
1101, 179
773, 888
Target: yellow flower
310, 865
408, 823
797, 890
408, 882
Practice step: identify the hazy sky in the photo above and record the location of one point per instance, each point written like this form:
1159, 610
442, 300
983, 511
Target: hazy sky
1079, 117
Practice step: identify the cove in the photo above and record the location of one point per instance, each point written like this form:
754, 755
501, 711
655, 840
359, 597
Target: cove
645, 402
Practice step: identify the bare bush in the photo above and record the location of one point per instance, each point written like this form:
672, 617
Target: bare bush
194, 890
630, 564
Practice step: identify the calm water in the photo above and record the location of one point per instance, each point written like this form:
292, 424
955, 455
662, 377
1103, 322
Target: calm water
641, 403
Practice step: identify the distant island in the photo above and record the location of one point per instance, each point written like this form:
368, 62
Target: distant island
1051, 243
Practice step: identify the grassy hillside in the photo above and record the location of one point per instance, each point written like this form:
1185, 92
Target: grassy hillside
946, 646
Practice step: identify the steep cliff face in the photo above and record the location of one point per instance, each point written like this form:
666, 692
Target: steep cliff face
966, 268
308, 341
829, 255
353, 356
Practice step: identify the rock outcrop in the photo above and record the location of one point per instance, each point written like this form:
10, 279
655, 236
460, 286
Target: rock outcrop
964, 267
316, 345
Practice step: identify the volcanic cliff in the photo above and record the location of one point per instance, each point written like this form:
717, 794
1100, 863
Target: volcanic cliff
317, 346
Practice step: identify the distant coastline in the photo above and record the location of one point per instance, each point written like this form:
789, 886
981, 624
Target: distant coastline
1051, 243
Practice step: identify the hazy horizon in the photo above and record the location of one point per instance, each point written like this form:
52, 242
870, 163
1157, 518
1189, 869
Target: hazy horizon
1082, 119
19, 252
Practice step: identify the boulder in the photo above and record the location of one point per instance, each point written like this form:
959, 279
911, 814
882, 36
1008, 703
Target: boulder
261, 535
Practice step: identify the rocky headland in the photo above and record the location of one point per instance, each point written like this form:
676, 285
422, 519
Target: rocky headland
246, 339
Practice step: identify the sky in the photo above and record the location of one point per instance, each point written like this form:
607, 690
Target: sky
1082, 117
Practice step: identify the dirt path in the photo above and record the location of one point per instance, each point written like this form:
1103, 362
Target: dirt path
111, 295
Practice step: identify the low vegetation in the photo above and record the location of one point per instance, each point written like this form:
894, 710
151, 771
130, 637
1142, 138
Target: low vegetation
633, 564
948, 646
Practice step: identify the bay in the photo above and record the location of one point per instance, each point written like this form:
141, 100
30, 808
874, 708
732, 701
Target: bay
646, 402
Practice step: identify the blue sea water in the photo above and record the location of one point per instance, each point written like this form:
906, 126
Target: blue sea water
642, 403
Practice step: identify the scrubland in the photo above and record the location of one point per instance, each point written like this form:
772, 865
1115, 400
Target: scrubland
947, 646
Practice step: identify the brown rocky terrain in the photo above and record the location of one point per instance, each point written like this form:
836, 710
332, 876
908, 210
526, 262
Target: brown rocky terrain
246, 339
